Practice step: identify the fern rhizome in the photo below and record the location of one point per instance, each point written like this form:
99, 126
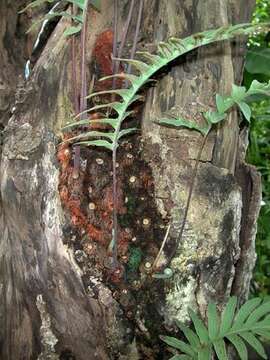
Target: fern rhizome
145, 70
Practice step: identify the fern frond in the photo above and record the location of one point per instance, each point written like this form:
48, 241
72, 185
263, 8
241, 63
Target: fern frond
117, 106
125, 132
180, 345
92, 134
99, 143
124, 93
239, 328
179, 122
133, 79
170, 51
239, 345
153, 59
227, 316
137, 64
107, 121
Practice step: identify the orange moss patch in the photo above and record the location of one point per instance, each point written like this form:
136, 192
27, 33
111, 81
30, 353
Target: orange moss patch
70, 191
102, 55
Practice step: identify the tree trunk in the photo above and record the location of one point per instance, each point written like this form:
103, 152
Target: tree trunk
60, 297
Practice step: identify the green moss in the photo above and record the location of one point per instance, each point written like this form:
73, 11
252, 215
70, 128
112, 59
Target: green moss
135, 258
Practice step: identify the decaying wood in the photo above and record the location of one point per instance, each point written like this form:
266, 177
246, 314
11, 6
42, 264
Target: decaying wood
54, 303
205, 265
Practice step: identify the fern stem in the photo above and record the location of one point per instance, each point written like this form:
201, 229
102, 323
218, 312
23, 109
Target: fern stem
136, 36
115, 34
74, 73
115, 207
123, 39
75, 96
83, 92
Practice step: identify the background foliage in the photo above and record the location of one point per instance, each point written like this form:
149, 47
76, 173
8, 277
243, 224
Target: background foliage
258, 67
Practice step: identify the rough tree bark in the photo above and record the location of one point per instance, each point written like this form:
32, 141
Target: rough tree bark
59, 297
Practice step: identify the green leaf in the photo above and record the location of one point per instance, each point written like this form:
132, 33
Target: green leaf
213, 117
96, 4
99, 143
205, 353
239, 345
258, 313
124, 93
254, 343
257, 87
91, 134
140, 65
72, 30
133, 79
153, 59
126, 132
199, 327
220, 349
257, 61
117, 106
223, 103
80, 3
109, 121
178, 44
181, 357
244, 312
178, 344
220, 103
213, 321
227, 316
112, 122
180, 122
189, 334
245, 110
165, 49
238, 92
264, 333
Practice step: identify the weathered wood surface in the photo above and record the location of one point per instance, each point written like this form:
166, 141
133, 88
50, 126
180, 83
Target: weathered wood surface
46, 312
207, 259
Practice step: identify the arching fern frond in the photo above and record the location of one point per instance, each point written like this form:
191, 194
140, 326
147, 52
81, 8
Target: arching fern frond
167, 52
247, 326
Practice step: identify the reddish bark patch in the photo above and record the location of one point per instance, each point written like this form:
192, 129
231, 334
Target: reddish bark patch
103, 62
